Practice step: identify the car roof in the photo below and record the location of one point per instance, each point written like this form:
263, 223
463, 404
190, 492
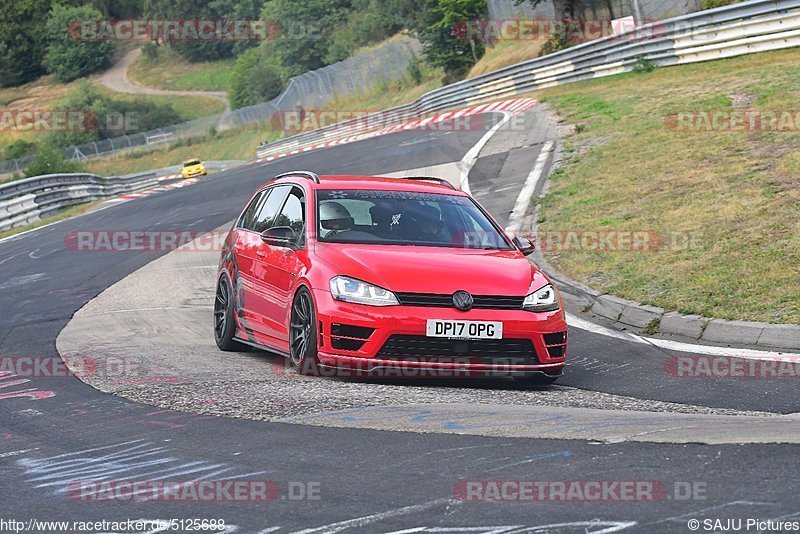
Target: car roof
380, 183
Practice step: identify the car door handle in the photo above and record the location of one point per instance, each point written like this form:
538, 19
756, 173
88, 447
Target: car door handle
260, 253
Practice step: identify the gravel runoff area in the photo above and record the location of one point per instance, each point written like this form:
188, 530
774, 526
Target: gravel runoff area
153, 330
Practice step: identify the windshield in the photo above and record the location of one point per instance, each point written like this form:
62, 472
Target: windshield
405, 218
192, 163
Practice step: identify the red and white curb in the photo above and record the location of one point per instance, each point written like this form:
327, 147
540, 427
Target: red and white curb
149, 192
515, 106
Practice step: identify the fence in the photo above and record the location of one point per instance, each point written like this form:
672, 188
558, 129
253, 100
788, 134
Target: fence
387, 62
748, 27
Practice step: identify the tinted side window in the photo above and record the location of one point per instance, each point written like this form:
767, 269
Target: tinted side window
249, 215
293, 213
270, 208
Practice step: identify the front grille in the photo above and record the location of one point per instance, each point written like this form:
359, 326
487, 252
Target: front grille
489, 351
482, 302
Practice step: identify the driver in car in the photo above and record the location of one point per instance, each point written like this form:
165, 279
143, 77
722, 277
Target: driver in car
335, 218
429, 224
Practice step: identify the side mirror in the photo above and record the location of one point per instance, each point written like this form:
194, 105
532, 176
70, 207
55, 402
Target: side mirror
524, 245
279, 236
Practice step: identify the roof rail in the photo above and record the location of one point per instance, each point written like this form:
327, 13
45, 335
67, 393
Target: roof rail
305, 174
440, 181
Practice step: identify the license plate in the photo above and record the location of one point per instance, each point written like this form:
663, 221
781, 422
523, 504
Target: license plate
464, 329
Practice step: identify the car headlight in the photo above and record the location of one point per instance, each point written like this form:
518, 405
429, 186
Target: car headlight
543, 300
349, 289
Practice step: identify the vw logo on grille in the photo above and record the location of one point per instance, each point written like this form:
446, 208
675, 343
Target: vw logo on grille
463, 300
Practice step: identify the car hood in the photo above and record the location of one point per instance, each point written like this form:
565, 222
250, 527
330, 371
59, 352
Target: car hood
434, 270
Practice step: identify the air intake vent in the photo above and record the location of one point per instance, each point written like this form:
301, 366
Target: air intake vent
349, 337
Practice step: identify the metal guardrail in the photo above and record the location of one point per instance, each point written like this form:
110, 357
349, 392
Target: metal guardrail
25, 201
28, 200
748, 27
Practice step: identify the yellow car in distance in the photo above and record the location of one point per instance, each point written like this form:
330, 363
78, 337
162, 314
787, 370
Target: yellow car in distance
193, 167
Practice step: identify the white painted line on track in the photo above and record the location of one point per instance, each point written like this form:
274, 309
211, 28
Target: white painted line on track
361, 522
524, 198
678, 346
469, 159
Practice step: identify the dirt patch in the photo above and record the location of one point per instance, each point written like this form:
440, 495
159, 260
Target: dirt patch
742, 100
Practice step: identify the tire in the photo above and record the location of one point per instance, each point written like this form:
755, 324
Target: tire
536, 380
225, 318
303, 334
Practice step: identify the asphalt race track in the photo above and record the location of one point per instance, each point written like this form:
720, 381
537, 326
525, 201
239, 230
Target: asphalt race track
57, 430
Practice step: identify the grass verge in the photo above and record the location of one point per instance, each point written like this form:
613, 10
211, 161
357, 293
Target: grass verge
188, 107
234, 144
506, 53
169, 71
735, 196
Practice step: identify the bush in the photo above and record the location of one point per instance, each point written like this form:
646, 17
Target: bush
19, 149
644, 65
150, 51
711, 4
114, 118
366, 23
557, 40
415, 70
67, 56
49, 160
255, 78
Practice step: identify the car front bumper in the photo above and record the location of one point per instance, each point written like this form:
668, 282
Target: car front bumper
393, 340
193, 173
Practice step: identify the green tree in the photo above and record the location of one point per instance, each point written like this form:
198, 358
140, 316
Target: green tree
22, 34
455, 52
190, 10
367, 23
70, 58
306, 27
256, 78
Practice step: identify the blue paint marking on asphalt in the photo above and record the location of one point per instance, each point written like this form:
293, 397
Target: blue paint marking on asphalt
545, 419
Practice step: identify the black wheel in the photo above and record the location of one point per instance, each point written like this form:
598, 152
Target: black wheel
536, 380
303, 334
225, 319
